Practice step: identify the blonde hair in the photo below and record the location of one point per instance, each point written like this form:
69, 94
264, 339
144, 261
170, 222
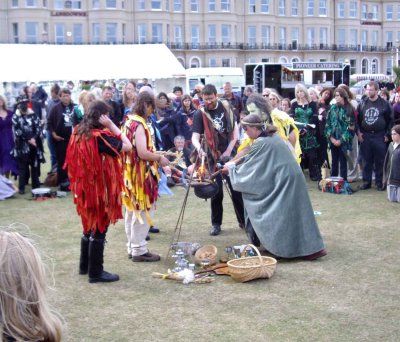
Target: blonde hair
302, 87
24, 311
4, 102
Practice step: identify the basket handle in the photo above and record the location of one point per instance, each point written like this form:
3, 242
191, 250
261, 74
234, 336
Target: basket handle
256, 250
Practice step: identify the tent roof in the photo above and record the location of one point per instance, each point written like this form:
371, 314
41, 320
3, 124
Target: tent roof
43, 62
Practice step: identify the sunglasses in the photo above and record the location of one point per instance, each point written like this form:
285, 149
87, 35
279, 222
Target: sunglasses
265, 95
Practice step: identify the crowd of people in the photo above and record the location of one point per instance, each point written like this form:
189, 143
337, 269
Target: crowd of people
110, 153
147, 131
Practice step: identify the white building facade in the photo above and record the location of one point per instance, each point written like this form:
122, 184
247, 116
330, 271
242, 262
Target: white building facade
206, 33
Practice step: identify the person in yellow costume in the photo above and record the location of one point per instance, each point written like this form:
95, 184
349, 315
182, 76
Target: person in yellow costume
286, 127
141, 179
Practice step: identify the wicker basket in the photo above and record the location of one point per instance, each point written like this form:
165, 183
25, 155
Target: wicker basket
249, 268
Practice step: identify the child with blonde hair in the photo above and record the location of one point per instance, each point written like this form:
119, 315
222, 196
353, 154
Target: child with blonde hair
25, 314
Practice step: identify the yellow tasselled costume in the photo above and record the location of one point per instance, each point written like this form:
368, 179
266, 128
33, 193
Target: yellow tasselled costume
141, 177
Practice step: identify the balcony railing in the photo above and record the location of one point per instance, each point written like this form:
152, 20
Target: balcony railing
250, 47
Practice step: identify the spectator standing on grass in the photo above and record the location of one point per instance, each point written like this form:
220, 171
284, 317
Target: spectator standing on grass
304, 111
339, 131
115, 114
25, 314
8, 164
141, 179
323, 106
54, 100
374, 123
95, 173
392, 166
396, 109
28, 148
234, 100
185, 119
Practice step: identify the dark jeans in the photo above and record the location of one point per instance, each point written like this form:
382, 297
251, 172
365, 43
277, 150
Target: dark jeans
217, 208
338, 159
61, 151
373, 151
26, 162
52, 149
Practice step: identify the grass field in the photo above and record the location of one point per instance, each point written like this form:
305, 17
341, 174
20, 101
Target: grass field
352, 294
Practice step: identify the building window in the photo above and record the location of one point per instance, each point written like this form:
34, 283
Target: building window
374, 38
156, 33
73, 4
282, 36
389, 12
322, 8
95, 4
111, 3
252, 6
323, 36
353, 38
225, 5
30, 3
31, 32
295, 8
140, 5
340, 9
178, 35
141, 28
111, 33
375, 12
353, 66
364, 11
389, 39
265, 35
310, 36
45, 3
123, 33
195, 39
211, 5
212, 62
389, 66
374, 66
353, 9
59, 32
341, 37
15, 33
95, 33
77, 33
59, 4
156, 5
264, 6
364, 38
226, 62
194, 5
398, 12
281, 9
195, 63
212, 35
364, 66
226, 34
14, 3
251, 36
177, 5
310, 7
295, 37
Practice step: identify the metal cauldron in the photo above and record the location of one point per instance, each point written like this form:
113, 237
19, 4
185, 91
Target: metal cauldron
206, 191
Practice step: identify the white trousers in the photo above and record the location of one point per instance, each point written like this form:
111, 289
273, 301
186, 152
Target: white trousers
136, 232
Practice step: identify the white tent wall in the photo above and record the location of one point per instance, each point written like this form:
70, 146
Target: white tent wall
43, 62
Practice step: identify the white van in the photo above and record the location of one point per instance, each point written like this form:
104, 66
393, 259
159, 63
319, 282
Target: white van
216, 76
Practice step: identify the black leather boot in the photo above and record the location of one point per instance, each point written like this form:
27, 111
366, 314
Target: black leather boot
96, 271
84, 258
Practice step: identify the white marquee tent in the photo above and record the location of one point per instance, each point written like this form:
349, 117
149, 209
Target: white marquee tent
43, 62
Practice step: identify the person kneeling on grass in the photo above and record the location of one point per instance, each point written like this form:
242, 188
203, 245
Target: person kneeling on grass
278, 212
96, 182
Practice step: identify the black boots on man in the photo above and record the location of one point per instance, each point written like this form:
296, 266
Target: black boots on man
84, 258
